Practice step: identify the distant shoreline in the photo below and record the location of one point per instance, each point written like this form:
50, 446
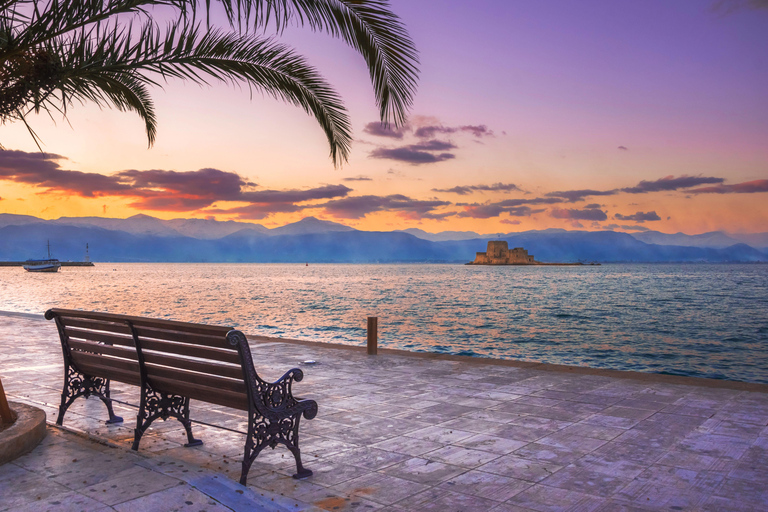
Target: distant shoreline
63, 263
537, 264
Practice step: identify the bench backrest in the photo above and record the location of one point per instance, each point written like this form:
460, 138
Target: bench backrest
192, 360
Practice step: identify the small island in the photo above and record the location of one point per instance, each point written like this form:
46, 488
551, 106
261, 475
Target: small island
498, 253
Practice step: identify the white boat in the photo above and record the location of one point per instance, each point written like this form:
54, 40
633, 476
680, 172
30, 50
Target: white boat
47, 265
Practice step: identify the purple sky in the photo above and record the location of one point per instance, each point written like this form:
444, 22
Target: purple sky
538, 96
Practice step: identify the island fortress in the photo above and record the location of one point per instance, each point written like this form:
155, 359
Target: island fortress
498, 253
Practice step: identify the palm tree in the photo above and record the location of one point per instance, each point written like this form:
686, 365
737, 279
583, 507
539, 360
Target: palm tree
110, 52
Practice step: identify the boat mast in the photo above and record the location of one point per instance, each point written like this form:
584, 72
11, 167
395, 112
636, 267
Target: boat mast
49, 249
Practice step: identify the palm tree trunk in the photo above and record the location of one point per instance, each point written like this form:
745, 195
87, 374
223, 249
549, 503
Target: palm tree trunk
6, 415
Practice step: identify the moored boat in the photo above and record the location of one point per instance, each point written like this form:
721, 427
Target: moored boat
49, 264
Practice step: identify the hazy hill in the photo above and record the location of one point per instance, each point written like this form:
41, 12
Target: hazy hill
212, 229
11, 219
310, 225
137, 225
757, 240
443, 236
716, 239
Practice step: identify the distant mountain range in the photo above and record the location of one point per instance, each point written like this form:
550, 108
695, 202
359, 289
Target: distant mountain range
142, 238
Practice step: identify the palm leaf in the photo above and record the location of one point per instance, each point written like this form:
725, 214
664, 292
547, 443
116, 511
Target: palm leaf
114, 65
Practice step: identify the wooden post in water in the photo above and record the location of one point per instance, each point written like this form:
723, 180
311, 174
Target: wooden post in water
373, 335
6, 415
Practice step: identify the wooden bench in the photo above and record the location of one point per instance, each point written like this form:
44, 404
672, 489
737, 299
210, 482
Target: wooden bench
172, 363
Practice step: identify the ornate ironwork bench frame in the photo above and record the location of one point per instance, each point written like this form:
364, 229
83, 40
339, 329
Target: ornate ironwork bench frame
172, 363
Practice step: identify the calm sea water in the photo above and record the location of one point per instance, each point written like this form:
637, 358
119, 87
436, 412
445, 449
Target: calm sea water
701, 320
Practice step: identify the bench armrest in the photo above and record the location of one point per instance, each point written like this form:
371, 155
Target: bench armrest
278, 397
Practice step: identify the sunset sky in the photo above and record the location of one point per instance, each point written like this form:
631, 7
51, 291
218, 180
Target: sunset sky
597, 114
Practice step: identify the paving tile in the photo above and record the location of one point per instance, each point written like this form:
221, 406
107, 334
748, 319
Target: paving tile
547, 453
440, 434
658, 496
424, 471
586, 480
460, 456
572, 442
493, 444
514, 466
23, 487
754, 493
381, 488
367, 457
551, 499
606, 420
718, 504
128, 485
487, 485
70, 501
178, 499
441, 500
614, 451
593, 431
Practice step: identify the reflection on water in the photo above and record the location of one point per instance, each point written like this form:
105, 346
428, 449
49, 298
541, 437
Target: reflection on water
704, 320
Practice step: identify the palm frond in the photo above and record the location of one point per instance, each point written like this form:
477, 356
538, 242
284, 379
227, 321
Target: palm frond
368, 26
114, 64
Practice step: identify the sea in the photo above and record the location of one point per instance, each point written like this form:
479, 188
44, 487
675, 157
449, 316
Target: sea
684, 319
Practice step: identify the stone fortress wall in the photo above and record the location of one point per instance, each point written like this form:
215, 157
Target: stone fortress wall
498, 253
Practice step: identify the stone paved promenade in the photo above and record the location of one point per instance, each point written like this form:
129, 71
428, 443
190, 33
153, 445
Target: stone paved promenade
400, 432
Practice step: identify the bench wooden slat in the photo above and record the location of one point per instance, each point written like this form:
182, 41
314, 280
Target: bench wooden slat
214, 368
194, 379
218, 341
100, 348
113, 339
226, 356
105, 361
97, 325
110, 372
202, 393
143, 321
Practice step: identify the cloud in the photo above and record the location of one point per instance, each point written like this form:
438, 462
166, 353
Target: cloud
380, 129
43, 170
535, 200
294, 195
669, 183
415, 154
432, 145
203, 182
748, 187
464, 190
623, 148
154, 189
426, 129
573, 214
574, 196
357, 178
635, 228
638, 217
359, 206
487, 211
513, 222
259, 211
429, 131
267, 202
